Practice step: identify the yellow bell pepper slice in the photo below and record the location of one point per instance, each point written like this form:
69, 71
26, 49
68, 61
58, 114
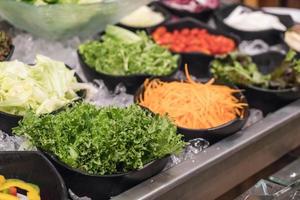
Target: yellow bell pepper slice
2, 180
7, 197
32, 192
33, 196
17, 183
35, 187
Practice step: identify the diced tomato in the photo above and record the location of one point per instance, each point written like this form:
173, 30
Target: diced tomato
193, 40
185, 31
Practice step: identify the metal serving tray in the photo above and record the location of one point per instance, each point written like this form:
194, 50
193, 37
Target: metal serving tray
227, 163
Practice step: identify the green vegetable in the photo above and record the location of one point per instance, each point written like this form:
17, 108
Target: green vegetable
105, 140
123, 52
42, 88
5, 45
238, 69
121, 34
287, 75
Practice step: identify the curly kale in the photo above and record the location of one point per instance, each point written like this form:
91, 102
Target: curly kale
103, 141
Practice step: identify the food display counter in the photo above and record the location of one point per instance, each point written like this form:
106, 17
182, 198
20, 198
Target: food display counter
227, 163
210, 109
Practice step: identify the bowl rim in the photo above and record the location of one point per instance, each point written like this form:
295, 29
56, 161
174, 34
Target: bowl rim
155, 6
19, 117
11, 52
85, 65
237, 119
47, 161
199, 24
267, 90
81, 172
217, 15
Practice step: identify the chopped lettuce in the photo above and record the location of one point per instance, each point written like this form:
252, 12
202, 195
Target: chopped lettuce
42, 88
122, 52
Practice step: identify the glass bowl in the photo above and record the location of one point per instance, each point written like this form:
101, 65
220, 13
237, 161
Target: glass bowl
60, 21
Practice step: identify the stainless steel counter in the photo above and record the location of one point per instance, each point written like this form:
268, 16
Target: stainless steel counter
226, 163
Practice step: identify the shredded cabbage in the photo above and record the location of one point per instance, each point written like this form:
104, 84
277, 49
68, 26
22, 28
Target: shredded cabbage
42, 88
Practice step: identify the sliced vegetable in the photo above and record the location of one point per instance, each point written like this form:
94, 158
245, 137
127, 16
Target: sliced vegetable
143, 17
42, 88
123, 52
11, 185
2, 179
102, 141
193, 40
4, 196
192, 104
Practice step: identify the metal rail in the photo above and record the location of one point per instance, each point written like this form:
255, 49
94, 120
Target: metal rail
227, 163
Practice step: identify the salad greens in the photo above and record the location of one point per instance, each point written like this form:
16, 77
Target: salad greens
240, 69
122, 52
102, 141
42, 88
5, 45
287, 75
45, 2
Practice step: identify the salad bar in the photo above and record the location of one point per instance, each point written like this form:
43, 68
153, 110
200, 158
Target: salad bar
163, 103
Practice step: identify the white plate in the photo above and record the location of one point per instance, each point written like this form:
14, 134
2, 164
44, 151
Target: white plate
293, 12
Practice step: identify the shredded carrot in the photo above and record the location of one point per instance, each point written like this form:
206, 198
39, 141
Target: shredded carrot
192, 104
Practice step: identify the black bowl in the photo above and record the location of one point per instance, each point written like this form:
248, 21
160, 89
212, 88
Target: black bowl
269, 100
9, 121
105, 186
156, 7
204, 15
212, 135
198, 62
131, 82
34, 168
271, 36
